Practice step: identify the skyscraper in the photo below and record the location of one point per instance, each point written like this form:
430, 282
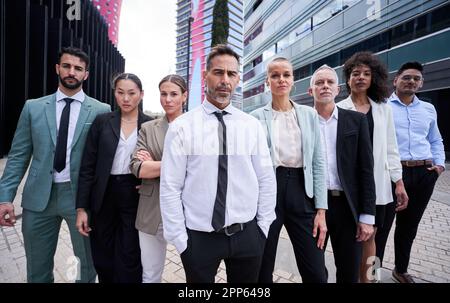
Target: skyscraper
110, 10
194, 24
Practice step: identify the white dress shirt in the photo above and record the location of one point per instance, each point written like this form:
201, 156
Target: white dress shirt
122, 157
189, 173
287, 138
75, 106
328, 130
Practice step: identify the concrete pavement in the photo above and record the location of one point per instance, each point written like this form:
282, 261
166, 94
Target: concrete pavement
430, 259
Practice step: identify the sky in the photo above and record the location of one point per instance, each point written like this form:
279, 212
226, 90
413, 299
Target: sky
147, 40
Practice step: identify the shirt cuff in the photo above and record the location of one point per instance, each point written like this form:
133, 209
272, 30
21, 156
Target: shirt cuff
367, 219
180, 243
264, 228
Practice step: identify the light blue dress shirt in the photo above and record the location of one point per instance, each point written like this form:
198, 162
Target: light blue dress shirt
418, 136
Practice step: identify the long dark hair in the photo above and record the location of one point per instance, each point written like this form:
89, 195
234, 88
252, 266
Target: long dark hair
378, 90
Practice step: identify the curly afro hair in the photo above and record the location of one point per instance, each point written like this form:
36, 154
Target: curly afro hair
378, 90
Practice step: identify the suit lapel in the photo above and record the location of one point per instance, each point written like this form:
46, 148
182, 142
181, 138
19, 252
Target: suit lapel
114, 122
268, 117
85, 110
50, 113
341, 127
160, 134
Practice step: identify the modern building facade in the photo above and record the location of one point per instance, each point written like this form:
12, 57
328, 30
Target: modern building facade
315, 32
110, 10
32, 32
194, 24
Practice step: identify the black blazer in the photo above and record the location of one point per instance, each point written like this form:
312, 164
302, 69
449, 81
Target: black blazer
98, 158
355, 162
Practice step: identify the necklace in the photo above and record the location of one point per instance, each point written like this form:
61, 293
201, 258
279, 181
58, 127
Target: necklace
128, 121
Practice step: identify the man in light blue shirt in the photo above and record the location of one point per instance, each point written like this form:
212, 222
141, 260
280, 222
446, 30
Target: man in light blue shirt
423, 159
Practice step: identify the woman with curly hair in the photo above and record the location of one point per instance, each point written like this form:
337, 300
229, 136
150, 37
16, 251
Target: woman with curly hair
366, 79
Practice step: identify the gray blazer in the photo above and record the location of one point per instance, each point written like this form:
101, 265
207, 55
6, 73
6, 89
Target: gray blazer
151, 138
313, 155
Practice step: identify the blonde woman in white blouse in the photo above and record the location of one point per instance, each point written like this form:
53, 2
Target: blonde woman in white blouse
293, 136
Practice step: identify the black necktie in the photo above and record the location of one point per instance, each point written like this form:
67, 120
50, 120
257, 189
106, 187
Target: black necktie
61, 143
218, 219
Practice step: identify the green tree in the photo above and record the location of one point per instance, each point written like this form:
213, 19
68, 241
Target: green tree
221, 24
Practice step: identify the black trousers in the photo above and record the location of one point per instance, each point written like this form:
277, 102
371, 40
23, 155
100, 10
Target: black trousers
296, 212
419, 184
114, 239
242, 253
342, 233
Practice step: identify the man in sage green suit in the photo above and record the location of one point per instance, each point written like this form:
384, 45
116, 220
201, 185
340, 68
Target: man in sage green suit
51, 131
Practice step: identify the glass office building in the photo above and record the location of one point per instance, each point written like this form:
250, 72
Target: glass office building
315, 32
193, 62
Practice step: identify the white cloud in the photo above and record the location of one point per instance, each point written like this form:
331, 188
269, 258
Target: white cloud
147, 40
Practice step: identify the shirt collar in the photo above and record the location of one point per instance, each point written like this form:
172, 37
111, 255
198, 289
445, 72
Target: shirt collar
210, 108
334, 115
395, 98
80, 96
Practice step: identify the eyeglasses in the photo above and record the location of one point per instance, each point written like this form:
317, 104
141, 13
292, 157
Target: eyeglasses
409, 78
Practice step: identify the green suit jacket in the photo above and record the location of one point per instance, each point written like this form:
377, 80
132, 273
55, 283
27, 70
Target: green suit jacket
313, 155
35, 138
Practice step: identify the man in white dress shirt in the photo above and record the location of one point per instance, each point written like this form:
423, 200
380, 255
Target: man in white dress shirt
218, 186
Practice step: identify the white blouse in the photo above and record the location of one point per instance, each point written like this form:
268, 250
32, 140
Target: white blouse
124, 151
287, 138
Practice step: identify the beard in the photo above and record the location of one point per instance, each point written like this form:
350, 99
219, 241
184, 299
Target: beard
217, 97
75, 85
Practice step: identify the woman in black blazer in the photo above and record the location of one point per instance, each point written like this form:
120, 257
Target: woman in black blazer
107, 191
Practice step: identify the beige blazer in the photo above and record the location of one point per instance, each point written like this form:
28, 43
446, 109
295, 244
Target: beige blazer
387, 166
151, 138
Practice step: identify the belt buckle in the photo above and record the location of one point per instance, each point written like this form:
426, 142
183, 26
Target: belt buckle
335, 193
409, 163
241, 227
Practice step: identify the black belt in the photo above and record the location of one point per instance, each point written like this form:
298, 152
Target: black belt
335, 193
233, 228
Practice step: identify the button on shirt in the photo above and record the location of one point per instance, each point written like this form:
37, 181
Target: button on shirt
287, 139
418, 136
189, 173
328, 131
122, 157
75, 106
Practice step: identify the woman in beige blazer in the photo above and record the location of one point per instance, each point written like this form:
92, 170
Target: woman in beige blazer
366, 80
146, 164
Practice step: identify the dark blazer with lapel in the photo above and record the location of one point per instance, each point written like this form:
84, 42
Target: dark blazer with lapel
355, 162
98, 158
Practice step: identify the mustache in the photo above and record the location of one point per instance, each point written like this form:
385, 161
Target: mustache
223, 86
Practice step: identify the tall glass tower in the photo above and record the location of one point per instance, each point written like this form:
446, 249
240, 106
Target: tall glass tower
194, 24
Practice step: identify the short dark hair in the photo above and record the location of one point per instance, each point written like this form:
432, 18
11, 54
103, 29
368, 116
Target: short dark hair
74, 52
410, 65
175, 79
220, 50
378, 90
127, 76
